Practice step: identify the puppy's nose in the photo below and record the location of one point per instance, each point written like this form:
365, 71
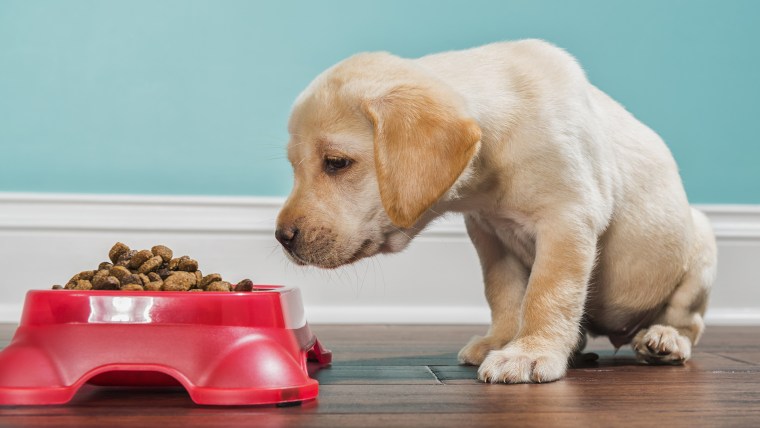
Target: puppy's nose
287, 236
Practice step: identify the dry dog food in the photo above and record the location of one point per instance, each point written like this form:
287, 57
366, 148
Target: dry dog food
152, 270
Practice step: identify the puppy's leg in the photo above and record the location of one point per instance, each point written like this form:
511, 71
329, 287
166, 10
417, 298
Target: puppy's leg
505, 280
551, 310
680, 325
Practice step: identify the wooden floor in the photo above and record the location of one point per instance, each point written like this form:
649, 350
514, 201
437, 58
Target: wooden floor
386, 376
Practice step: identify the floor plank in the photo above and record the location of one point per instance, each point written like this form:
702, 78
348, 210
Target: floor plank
408, 376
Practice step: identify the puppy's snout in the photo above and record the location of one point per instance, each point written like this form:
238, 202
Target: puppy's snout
287, 236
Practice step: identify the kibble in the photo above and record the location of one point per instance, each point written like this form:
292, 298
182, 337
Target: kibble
82, 284
120, 272
125, 258
99, 276
187, 264
143, 278
131, 279
208, 279
163, 272
151, 264
139, 258
107, 283
179, 281
219, 286
72, 281
150, 270
162, 251
154, 286
87, 274
117, 251
244, 285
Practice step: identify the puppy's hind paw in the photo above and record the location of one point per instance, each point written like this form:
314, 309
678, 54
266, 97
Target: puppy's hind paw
661, 344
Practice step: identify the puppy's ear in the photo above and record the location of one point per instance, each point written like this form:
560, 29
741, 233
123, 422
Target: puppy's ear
422, 145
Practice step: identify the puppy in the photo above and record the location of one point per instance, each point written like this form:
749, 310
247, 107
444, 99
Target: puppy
575, 208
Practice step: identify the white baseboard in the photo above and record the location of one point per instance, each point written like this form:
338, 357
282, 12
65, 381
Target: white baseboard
733, 316
46, 238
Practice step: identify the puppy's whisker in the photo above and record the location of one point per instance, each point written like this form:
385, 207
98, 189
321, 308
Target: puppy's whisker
272, 251
434, 212
355, 283
398, 229
299, 143
364, 279
377, 267
296, 134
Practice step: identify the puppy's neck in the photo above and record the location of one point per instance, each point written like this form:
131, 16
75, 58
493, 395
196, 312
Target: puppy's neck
471, 191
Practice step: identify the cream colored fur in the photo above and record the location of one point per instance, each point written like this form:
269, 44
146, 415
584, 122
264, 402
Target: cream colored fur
575, 208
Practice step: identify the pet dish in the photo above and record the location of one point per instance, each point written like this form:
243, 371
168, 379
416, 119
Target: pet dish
223, 348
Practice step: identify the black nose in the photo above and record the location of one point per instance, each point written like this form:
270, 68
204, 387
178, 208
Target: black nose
287, 236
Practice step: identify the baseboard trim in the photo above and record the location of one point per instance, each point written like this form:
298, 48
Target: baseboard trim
472, 315
419, 315
230, 214
10, 313
78, 212
398, 315
733, 316
429, 290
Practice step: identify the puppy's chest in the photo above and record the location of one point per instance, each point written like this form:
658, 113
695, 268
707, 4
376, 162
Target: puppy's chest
518, 236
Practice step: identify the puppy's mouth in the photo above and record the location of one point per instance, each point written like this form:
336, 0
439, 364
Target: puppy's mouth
363, 251
322, 258
295, 258
396, 240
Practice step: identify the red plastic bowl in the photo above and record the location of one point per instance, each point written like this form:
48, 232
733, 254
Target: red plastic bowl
224, 348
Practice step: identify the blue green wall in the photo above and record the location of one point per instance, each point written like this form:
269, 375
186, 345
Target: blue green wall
192, 97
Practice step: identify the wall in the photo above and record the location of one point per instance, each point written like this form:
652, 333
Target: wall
192, 97
179, 97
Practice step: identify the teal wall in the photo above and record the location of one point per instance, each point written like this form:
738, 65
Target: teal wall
192, 97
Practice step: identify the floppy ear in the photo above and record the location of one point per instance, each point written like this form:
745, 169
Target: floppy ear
422, 145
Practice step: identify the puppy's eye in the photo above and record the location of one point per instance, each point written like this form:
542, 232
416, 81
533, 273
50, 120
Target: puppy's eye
334, 164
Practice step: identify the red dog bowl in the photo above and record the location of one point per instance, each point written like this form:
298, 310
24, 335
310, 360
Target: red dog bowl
224, 348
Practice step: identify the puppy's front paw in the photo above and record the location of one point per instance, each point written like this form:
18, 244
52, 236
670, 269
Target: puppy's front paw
661, 344
476, 350
517, 363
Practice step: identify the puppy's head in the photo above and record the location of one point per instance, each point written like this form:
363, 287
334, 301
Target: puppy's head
374, 142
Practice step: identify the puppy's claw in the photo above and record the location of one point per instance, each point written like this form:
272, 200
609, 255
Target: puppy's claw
660, 344
477, 349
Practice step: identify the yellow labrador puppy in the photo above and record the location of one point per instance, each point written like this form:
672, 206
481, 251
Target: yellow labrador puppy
575, 208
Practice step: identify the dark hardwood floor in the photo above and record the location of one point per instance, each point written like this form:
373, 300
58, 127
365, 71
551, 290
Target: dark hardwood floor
386, 376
